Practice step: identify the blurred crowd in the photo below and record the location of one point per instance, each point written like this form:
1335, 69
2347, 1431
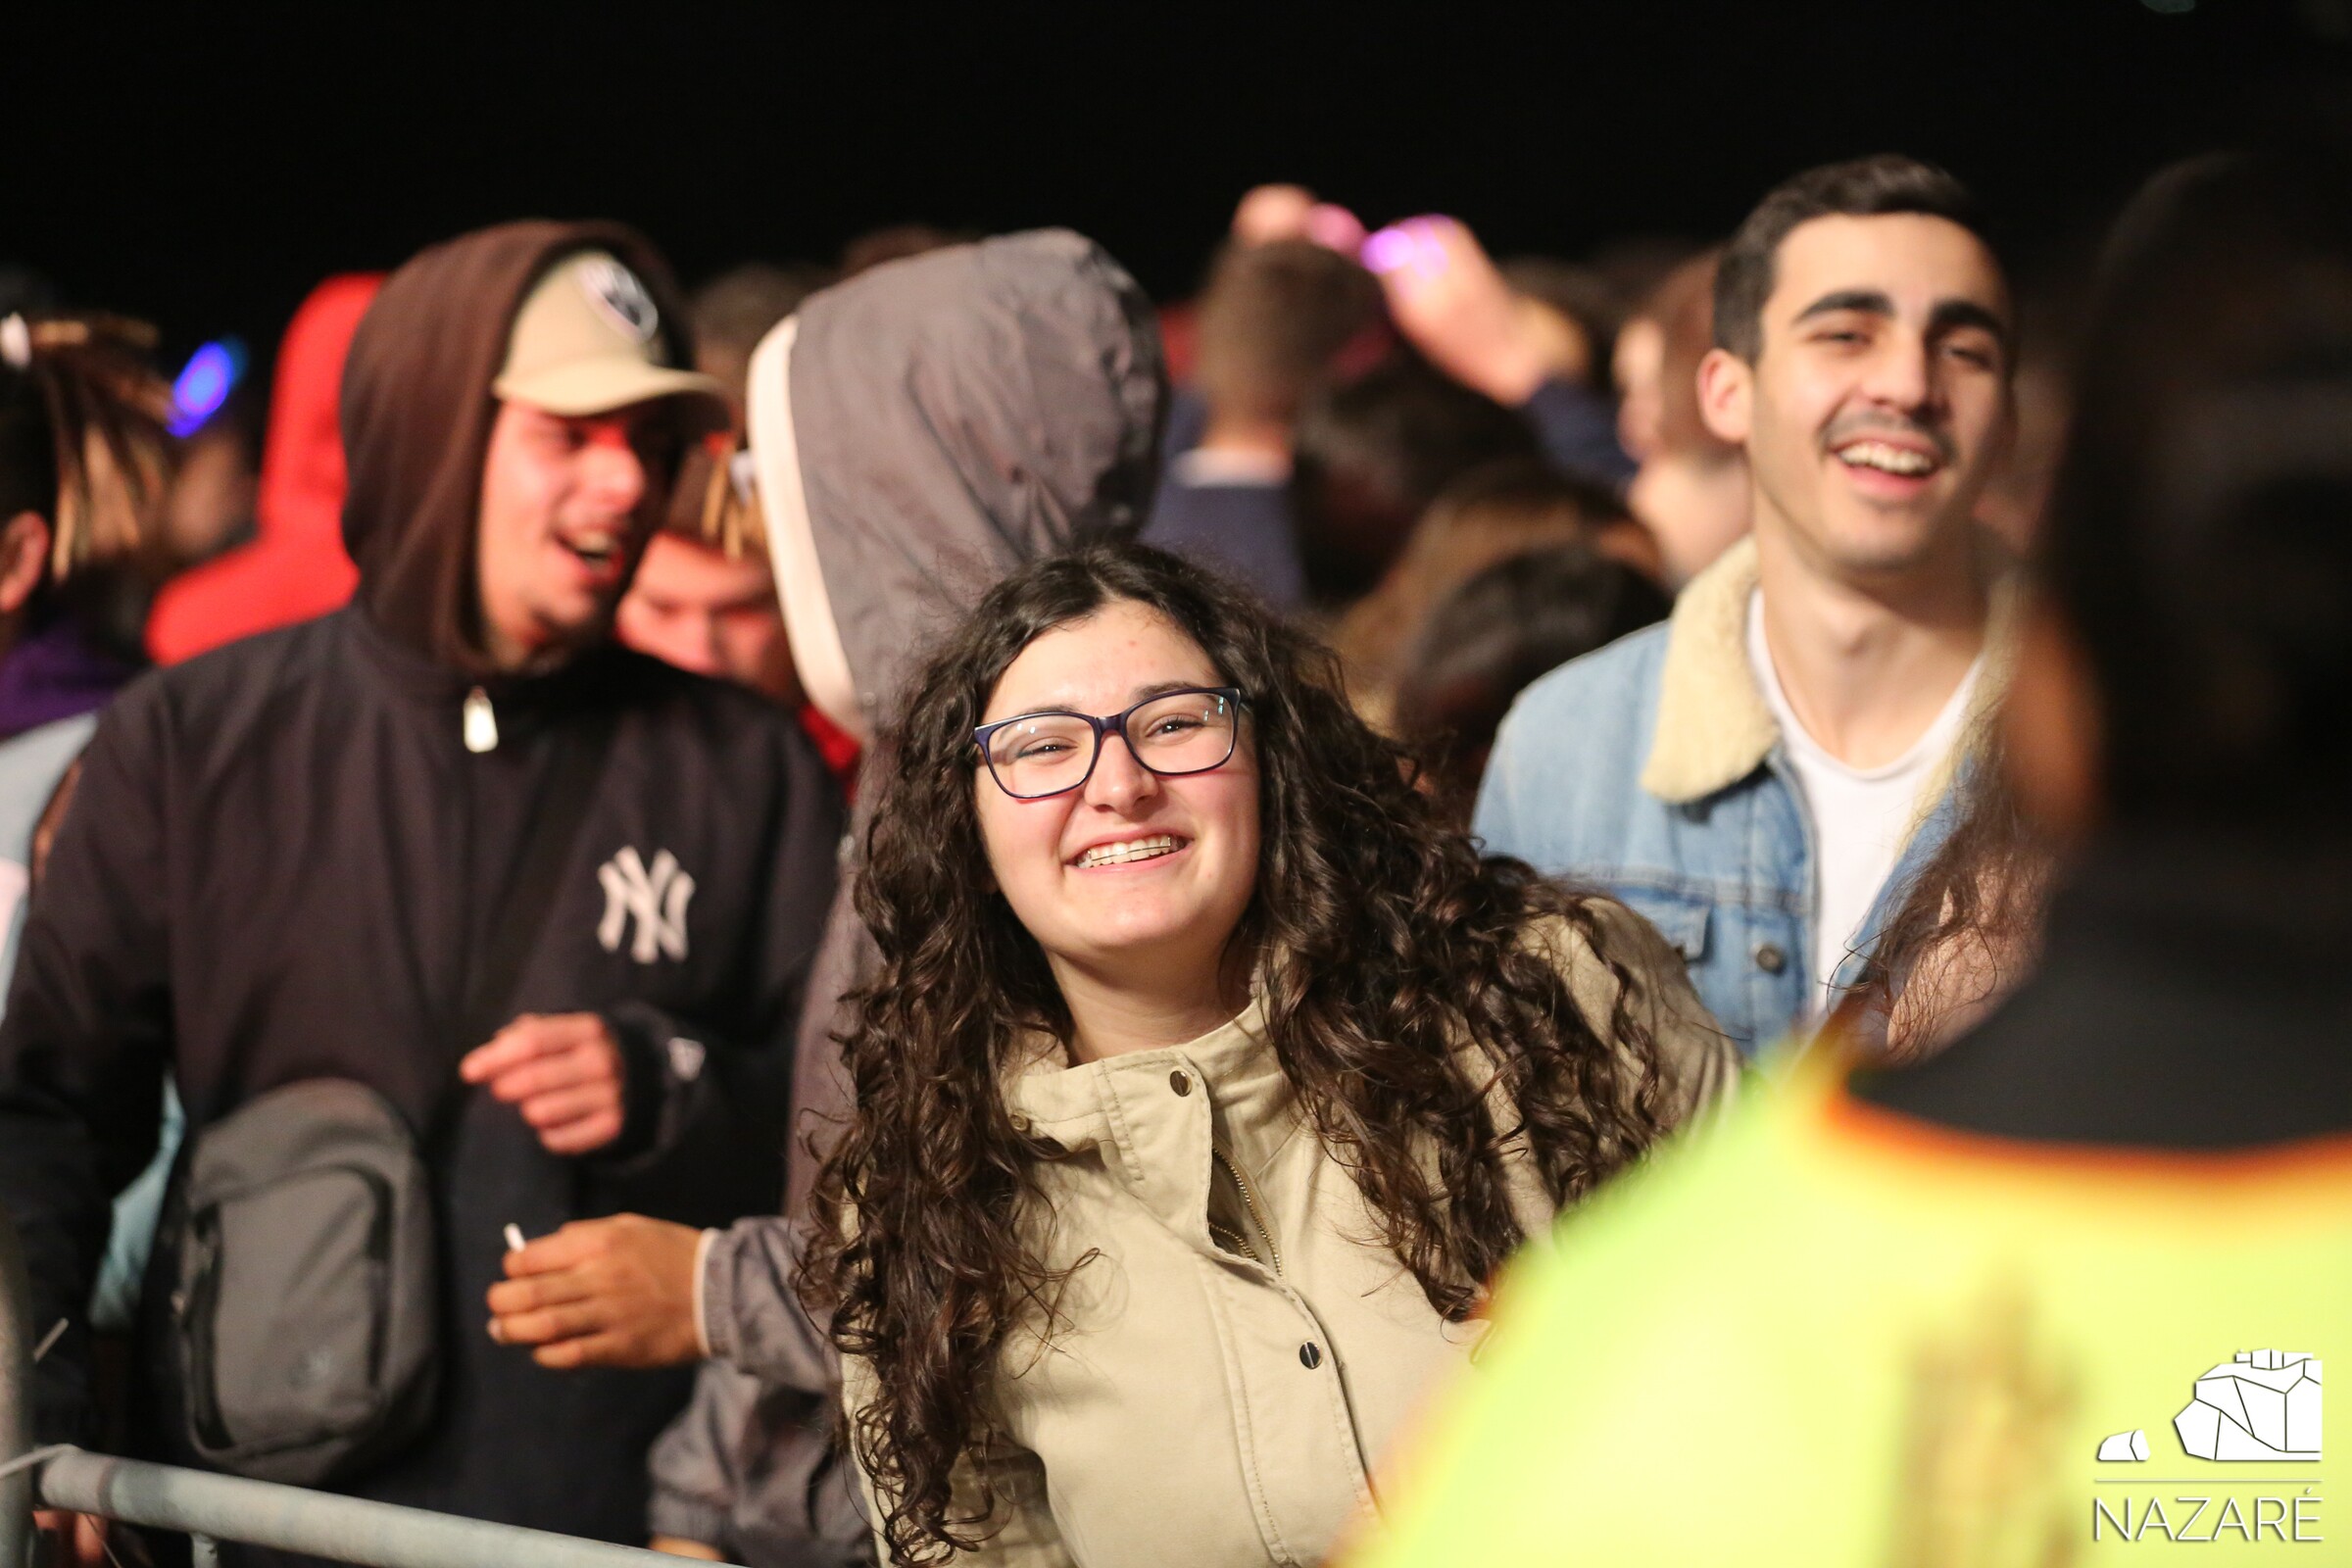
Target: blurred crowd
986, 919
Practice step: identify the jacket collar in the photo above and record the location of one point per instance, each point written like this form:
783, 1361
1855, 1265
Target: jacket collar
1714, 727
1248, 1095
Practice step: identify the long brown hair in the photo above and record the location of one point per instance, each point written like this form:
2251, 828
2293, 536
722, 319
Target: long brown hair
83, 437
1384, 944
1968, 928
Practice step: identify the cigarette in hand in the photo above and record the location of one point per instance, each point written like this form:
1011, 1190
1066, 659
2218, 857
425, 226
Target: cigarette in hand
513, 1237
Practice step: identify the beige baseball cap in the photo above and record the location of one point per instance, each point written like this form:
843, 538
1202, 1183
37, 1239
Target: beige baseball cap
588, 340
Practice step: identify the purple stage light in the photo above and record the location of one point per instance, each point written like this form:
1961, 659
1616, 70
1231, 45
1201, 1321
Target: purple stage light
205, 383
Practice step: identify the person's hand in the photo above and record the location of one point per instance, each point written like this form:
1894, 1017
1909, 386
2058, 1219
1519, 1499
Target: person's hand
615, 1291
679, 1547
1446, 294
564, 1072
1271, 212
81, 1537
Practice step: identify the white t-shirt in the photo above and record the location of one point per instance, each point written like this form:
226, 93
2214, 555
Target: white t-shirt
1861, 815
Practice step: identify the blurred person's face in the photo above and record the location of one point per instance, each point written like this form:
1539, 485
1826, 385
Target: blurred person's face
1878, 404
692, 607
1635, 365
1129, 868
1695, 505
211, 496
567, 504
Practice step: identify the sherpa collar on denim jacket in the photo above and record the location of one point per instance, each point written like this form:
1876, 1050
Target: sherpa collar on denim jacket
1714, 727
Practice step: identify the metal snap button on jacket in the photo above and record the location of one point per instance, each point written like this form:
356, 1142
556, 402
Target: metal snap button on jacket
1180, 1082
1771, 959
1310, 1355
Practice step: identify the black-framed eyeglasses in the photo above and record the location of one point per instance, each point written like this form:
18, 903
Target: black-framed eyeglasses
1032, 756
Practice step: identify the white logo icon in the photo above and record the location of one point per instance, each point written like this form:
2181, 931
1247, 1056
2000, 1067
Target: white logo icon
620, 296
2263, 1404
656, 897
2125, 1448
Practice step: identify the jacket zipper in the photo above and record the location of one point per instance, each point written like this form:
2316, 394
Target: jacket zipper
196, 1329
379, 1257
1249, 1202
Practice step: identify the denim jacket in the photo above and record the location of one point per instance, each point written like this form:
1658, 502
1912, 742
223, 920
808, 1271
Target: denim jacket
1654, 770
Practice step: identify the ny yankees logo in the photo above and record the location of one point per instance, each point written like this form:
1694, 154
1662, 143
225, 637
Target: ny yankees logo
656, 898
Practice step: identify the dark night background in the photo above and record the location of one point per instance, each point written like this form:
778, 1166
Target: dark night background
203, 170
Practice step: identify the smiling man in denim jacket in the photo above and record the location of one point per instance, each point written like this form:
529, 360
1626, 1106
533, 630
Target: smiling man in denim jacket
1748, 774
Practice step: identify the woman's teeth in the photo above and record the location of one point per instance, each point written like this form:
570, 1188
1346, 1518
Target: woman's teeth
1132, 849
595, 549
1885, 458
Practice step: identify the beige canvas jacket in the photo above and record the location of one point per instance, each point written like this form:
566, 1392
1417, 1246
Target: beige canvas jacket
1211, 1402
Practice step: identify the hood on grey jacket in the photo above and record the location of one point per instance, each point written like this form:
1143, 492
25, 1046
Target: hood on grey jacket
924, 428
916, 433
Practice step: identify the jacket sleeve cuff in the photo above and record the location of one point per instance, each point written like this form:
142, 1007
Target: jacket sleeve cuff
750, 1318
660, 1069
714, 1296
1577, 429
701, 1317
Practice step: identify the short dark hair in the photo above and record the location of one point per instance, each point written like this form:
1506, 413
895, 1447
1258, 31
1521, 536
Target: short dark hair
1272, 319
1370, 455
733, 311
1864, 187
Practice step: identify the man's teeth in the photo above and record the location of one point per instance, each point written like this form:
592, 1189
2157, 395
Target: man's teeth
1885, 458
1132, 849
595, 549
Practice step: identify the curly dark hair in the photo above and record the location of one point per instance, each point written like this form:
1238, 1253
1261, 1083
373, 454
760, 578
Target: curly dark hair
1384, 945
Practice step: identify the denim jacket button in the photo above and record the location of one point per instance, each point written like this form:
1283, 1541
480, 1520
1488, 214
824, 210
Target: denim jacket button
1770, 959
1179, 1081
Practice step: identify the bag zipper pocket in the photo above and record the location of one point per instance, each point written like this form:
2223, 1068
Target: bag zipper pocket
196, 1329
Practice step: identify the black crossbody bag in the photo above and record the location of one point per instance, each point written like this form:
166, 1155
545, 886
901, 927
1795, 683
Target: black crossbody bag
306, 1313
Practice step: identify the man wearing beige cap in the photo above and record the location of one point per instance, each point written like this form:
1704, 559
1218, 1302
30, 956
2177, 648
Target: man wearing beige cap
543, 903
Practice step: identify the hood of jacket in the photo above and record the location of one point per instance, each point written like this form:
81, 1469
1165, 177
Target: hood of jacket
296, 567
417, 410
928, 426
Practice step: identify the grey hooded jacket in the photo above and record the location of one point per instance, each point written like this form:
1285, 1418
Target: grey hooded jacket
918, 432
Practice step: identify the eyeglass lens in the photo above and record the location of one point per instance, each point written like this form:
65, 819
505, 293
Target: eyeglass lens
1183, 732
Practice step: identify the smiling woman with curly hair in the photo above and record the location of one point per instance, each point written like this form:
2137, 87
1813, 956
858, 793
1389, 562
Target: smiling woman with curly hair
1207, 1081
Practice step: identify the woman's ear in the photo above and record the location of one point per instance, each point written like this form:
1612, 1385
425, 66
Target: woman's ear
23, 558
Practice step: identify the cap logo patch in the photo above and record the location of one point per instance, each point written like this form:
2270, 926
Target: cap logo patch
619, 297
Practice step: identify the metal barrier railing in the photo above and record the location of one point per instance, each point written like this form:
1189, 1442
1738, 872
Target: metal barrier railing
16, 1392
260, 1513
